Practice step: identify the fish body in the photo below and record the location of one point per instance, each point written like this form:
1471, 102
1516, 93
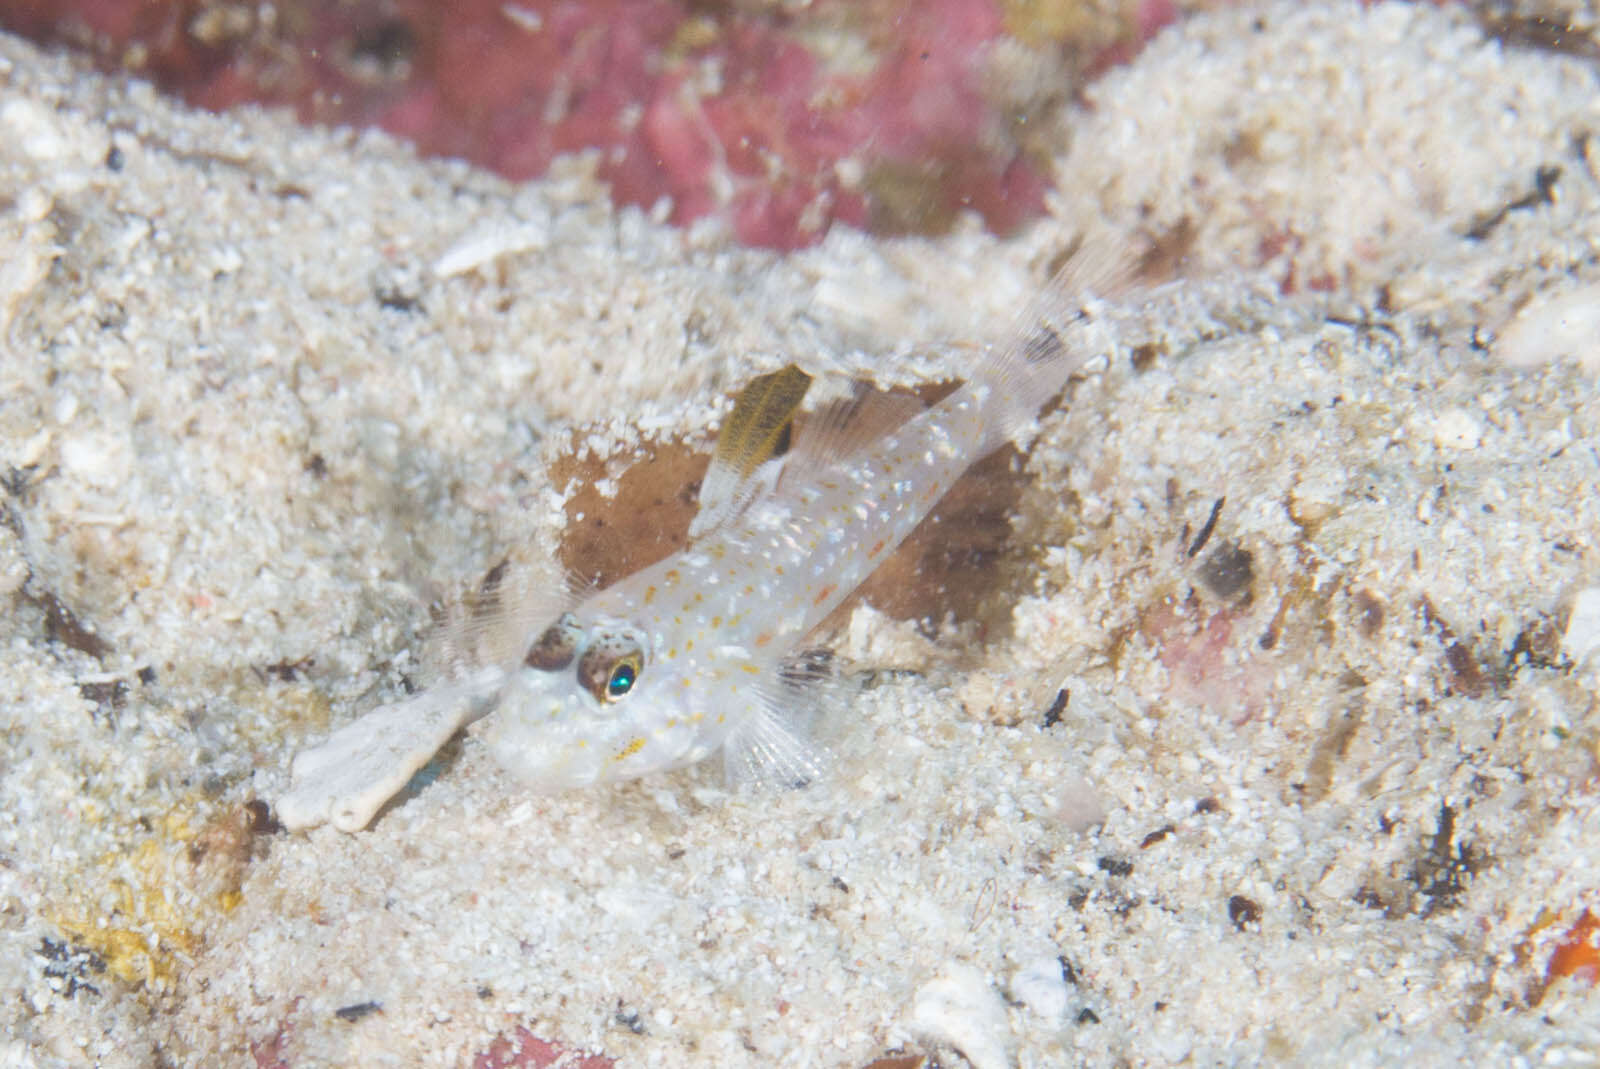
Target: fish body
702, 635
664, 668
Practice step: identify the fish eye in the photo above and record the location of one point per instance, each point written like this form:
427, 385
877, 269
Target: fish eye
610, 666
623, 675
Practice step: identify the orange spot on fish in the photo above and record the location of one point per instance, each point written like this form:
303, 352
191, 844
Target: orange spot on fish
649, 594
827, 592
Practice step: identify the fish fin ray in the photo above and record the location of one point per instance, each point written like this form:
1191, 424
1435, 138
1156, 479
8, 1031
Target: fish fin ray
776, 746
843, 428
750, 448
768, 751
1050, 340
495, 623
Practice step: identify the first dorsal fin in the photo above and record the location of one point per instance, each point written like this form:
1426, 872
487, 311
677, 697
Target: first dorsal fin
756, 434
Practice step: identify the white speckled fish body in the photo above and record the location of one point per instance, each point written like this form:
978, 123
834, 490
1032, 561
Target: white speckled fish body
711, 625
689, 655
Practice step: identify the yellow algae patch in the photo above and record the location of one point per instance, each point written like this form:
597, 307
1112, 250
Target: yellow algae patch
143, 909
131, 916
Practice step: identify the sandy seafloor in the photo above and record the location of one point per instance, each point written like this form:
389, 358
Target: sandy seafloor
265, 392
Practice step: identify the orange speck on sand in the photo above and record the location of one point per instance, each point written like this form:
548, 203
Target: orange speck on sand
1577, 954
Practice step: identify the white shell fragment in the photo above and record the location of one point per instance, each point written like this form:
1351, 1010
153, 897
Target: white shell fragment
963, 1009
1582, 638
1041, 985
1555, 328
347, 779
483, 247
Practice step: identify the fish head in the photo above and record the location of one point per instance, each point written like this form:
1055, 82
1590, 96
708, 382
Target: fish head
590, 704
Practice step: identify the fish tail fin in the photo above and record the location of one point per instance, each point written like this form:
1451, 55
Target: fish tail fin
1049, 342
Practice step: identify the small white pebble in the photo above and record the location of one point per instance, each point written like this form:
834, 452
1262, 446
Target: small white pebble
31, 451
1555, 328
1455, 428
482, 248
99, 459
31, 128
524, 18
1041, 985
1077, 804
1582, 638
963, 1009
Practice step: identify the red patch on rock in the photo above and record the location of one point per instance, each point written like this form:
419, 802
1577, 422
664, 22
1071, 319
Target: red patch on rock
524, 1050
779, 122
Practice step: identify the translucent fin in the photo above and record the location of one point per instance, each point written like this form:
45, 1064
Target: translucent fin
843, 428
347, 779
767, 751
775, 747
756, 433
1100, 267
495, 623
1048, 342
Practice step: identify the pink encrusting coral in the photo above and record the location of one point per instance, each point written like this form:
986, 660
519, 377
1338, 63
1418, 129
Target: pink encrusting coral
889, 115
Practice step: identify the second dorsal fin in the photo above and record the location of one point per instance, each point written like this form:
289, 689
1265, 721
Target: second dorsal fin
844, 427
